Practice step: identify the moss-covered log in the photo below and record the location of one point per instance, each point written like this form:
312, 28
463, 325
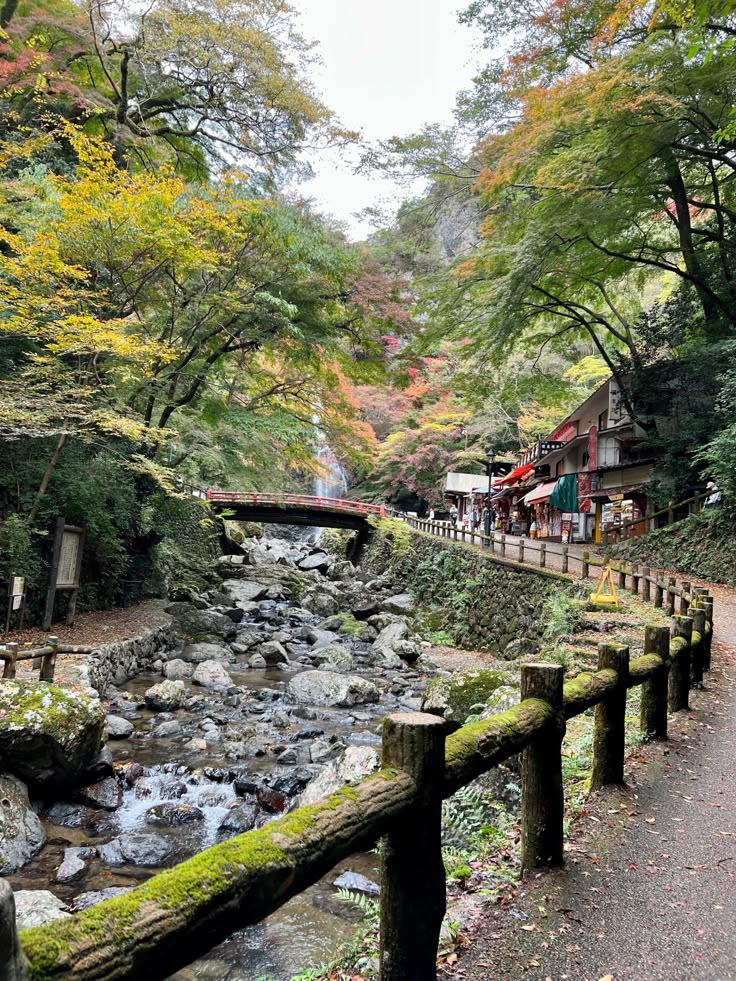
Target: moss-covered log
477, 747
586, 690
180, 914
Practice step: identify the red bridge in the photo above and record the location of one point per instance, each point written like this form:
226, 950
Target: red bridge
295, 509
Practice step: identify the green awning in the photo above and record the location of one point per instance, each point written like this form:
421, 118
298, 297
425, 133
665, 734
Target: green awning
564, 497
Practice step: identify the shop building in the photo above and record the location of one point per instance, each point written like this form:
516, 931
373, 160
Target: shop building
588, 476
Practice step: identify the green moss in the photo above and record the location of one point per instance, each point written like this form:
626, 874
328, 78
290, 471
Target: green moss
462, 692
62, 714
191, 884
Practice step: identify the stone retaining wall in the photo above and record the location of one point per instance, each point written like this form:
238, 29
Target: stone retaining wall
483, 601
115, 663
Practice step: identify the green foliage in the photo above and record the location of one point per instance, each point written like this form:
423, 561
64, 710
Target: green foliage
703, 545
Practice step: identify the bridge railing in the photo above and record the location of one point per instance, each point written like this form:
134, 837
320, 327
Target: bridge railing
296, 500
178, 915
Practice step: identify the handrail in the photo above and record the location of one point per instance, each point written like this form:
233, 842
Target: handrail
295, 500
181, 913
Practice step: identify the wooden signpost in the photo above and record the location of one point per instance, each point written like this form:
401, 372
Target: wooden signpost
16, 599
66, 568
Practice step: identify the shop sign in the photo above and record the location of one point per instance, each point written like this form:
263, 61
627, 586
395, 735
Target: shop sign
616, 497
585, 482
616, 410
593, 448
566, 432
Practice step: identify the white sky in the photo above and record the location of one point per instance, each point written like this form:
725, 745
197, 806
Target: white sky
389, 67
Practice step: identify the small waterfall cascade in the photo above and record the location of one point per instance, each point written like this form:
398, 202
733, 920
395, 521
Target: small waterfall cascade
334, 482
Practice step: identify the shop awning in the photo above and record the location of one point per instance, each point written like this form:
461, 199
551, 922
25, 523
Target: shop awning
517, 473
539, 494
495, 484
565, 495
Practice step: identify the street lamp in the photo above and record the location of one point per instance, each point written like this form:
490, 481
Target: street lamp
487, 523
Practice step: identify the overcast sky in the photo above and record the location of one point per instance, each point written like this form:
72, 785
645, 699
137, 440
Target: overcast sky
389, 67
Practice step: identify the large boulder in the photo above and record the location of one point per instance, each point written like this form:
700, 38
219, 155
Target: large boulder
118, 727
505, 697
211, 674
166, 696
21, 832
391, 634
244, 590
322, 599
402, 604
334, 658
455, 697
331, 689
273, 652
354, 764
178, 670
204, 625
319, 560
197, 653
48, 737
34, 907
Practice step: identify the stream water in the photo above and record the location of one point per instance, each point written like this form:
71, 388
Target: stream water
185, 778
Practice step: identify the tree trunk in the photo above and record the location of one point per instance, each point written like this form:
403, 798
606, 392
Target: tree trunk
47, 477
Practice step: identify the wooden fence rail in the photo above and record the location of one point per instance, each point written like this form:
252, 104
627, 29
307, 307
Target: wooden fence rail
648, 584
181, 913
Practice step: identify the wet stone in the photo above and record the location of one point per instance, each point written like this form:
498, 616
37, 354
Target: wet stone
118, 728
106, 795
143, 850
86, 899
168, 815
238, 820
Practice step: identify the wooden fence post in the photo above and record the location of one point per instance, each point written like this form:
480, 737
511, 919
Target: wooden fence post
610, 718
11, 651
709, 640
493, 542
622, 577
635, 579
679, 685
542, 801
659, 593
646, 586
11, 958
412, 871
671, 584
565, 560
685, 599
653, 717
542, 555
586, 566
48, 664
521, 550
697, 665
503, 546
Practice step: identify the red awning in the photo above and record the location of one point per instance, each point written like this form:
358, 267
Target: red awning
517, 473
540, 493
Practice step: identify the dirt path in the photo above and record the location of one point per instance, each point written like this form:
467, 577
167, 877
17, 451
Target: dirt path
649, 888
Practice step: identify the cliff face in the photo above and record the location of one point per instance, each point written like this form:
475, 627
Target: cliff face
454, 230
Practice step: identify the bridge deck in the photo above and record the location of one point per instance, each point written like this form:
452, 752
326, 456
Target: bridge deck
298, 502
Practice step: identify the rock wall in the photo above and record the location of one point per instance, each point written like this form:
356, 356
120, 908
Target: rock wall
482, 602
115, 663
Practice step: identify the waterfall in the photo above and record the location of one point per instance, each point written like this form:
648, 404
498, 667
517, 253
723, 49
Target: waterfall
334, 482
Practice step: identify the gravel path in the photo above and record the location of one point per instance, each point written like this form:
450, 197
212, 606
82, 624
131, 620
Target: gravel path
649, 888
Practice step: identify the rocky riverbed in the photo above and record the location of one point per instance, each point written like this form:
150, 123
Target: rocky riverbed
272, 697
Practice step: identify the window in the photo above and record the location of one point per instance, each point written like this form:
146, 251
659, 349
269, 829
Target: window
586, 458
602, 420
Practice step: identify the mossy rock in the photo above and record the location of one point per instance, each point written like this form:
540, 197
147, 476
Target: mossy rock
454, 698
48, 737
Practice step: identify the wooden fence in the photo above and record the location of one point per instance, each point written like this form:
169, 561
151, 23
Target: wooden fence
44, 658
181, 913
653, 586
